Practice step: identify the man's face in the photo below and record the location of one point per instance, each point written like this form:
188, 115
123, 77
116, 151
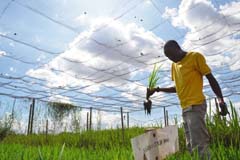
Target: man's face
173, 54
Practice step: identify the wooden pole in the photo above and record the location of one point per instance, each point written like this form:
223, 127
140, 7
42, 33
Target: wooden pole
29, 119
32, 116
164, 114
87, 120
46, 127
12, 115
90, 124
128, 119
13, 108
122, 124
167, 118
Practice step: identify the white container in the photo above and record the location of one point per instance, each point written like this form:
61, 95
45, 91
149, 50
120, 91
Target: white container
156, 144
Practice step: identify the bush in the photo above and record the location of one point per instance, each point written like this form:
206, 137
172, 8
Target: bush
5, 126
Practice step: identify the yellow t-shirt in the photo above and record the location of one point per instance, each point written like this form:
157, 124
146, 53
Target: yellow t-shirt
188, 77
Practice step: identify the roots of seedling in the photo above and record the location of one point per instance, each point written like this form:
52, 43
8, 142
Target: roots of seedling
147, 106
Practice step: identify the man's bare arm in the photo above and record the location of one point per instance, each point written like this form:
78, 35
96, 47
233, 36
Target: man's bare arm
217, 90
158, 89
215, 87
167, 90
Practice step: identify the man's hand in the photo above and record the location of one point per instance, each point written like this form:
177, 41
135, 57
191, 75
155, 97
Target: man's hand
224, 110
157, 89
150, 92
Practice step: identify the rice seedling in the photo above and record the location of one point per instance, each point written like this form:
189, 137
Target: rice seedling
152, 83
154, 77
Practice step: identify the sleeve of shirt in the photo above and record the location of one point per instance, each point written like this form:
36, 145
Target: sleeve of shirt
201, 64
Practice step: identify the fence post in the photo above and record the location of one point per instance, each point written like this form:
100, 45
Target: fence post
32, 116
12, 114
167, 118
90, 124
87, 120
128, 119
164, 114
46, 127
29, 119
122, 124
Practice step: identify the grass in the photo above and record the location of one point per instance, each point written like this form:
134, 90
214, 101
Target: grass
90, 145
217, 152
108, 144
23, 152
89, 139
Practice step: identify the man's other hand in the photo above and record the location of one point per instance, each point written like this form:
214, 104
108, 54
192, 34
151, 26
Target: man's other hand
150, 92
224, 110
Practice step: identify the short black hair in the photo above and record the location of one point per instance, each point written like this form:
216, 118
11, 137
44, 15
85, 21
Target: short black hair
171, 43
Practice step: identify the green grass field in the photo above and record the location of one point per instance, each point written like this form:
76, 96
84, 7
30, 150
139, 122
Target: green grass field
108, 144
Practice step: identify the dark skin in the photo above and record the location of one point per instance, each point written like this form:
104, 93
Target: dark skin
176, 54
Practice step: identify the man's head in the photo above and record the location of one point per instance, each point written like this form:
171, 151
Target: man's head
173, 51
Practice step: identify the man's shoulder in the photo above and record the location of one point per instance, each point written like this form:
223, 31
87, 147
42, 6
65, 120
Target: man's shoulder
194, 53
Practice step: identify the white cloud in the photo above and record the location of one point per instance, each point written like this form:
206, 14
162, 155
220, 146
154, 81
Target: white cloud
231, 9
133, 89
41, 57
83, 20
2, 53
148, 2
169, 12
59, 98
12, 69
108, 120
212, 31
93, 57
208, 28
132, 92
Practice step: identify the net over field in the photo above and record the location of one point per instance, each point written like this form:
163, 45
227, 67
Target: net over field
99, 54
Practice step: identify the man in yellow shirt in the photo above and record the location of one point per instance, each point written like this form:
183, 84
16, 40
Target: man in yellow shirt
188, 69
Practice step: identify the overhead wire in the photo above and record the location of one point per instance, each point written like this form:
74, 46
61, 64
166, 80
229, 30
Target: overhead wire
5, 8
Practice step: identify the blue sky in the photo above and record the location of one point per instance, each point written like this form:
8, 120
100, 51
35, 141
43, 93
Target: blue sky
99, 53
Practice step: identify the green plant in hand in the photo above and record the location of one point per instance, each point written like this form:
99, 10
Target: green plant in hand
154, 77
152, 83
